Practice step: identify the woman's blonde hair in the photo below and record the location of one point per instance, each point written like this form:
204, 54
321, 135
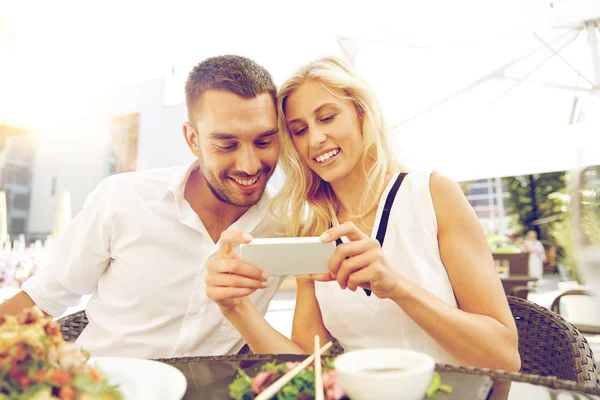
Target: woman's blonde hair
307, 204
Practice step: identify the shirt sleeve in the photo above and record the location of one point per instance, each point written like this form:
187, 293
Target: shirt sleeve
78, 256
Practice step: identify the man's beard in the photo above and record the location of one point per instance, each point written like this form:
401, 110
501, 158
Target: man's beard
219, 186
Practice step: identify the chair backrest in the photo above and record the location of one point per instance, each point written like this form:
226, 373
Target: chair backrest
579, 309
520, 291
549, 345
72, 325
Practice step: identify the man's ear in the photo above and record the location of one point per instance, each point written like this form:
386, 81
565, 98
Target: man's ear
191, 138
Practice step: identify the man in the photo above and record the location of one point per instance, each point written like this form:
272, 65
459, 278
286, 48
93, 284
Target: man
142, 240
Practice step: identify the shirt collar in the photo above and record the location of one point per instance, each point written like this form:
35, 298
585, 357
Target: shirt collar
178, 185
256, 212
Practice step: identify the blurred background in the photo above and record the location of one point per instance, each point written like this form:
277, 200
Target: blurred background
501, 95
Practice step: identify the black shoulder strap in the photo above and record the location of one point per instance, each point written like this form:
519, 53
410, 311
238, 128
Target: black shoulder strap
385, 215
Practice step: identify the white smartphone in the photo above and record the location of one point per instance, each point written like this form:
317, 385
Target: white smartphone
288, 256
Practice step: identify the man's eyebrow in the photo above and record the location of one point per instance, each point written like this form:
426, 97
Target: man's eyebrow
221, 136
230, 136
268, 133
317, 110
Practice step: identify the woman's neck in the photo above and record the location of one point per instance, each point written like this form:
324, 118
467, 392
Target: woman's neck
348, 192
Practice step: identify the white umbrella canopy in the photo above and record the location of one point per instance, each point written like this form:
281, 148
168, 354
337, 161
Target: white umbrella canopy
496, 108
121, 42
134, 40
413, 53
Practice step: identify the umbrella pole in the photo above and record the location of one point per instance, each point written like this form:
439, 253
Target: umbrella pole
592, 26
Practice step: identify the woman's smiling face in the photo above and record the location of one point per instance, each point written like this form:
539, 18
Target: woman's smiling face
325, 130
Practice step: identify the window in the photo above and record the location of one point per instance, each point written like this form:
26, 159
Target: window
18, 175
479, 190
479, 202
21, 201
17, 226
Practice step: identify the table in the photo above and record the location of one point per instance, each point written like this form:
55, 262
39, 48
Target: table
518, 264
209, 378
512, 281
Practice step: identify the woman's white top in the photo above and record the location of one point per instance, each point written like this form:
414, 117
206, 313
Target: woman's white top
359, 321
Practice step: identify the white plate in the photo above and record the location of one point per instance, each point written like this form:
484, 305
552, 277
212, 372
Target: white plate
8, 292
142, 379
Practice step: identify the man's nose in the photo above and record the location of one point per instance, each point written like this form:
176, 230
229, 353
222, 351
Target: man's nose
248, 161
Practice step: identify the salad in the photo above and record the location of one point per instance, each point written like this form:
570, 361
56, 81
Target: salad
37, 364
301, 387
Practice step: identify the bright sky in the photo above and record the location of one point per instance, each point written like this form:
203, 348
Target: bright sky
60, 52
63, 48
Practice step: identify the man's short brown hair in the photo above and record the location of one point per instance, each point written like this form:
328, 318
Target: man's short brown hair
236, 74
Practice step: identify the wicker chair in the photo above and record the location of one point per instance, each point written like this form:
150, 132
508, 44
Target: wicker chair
72, 325
549, 345
520, 291
584, 328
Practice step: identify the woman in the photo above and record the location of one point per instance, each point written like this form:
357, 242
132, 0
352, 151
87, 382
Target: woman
433, 283
537, 255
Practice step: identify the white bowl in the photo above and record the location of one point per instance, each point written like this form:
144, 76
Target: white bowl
356, 374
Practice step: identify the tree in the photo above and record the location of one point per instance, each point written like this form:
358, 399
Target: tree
535, 201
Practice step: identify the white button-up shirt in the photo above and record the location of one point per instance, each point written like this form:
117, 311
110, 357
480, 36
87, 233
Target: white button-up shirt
141, 251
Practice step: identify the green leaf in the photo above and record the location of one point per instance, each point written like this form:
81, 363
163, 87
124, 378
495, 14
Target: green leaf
270, 366
244, 375
114, 392
446, 389
289, 391
6, 387
44, 340
329, 363
239, 389
86, 384
3, 372
38, 391
434, 385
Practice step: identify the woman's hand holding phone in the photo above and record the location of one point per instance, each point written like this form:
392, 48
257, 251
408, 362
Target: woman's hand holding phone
360, 263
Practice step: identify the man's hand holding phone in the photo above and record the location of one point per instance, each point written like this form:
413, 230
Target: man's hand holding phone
229, 279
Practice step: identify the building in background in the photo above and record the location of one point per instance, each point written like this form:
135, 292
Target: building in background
591, 175
128, 128
17, 149
487, 197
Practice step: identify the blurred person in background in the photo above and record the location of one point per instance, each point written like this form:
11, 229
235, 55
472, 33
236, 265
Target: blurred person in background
537, 254
551, 264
